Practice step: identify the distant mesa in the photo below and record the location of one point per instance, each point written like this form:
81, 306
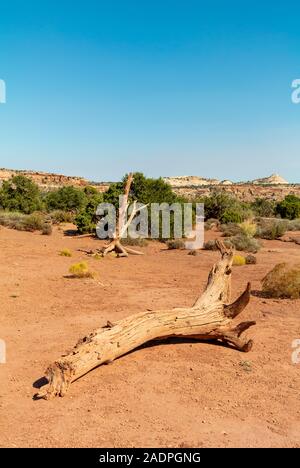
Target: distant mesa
49, 181
274, 179
190, 181
226, 182
197, 181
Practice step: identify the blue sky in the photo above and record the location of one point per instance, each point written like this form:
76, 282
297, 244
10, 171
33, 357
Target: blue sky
98, 88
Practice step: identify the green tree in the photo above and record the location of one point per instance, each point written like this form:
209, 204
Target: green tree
86, 219
20, 194
226, 208
66, 199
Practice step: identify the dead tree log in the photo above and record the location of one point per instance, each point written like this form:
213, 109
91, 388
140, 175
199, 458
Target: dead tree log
210, 318
115, 245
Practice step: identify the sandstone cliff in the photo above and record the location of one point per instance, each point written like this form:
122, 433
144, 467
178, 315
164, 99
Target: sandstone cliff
49, 181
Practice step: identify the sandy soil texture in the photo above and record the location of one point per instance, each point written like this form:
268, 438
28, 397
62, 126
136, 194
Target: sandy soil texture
177, 394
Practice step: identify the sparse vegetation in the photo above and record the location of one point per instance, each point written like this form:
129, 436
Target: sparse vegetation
211, 223
271, 228
173, 244
289, 208
283, 281
294, 225
60, 216
246, 366
34, 222
80, 270
47, 229
139, 241
22, 222
212, 245
230, 229
263, 207
248, 228
251, 260
245, 243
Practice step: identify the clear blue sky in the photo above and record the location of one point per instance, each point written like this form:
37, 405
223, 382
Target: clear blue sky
98, 88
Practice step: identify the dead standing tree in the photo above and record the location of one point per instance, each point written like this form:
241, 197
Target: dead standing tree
210, 318
122, 225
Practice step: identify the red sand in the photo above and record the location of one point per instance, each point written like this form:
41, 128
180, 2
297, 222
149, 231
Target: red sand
178, 394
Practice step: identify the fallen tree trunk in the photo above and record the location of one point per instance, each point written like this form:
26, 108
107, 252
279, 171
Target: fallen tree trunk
210, 318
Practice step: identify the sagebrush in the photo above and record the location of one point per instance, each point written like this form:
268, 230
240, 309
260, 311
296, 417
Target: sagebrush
283, 281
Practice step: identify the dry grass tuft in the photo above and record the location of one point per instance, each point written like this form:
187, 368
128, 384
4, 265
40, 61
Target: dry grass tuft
238, 260
65, 253
80, 270
248, 228
175, 244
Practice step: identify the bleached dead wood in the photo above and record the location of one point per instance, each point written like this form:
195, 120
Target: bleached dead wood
116, 243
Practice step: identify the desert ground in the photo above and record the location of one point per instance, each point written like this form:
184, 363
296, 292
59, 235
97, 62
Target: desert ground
183, 393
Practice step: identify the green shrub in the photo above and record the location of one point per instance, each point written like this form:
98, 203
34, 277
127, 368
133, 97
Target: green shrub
225, 207
20, 194
245, 243
238, 260
263, 207
173, 244
84, 222
86, 219
216, 204
271, 228
231, 216
283, 281
289, 207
